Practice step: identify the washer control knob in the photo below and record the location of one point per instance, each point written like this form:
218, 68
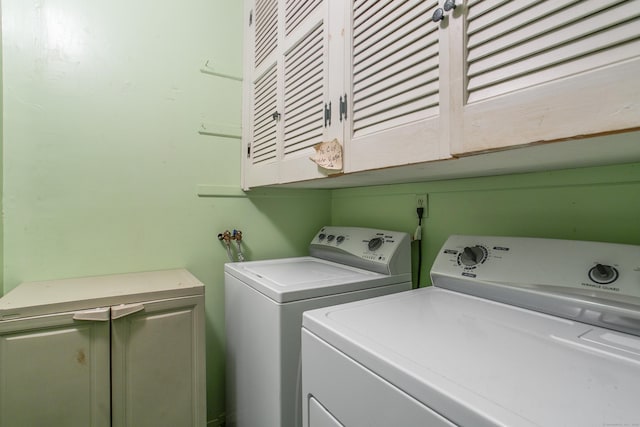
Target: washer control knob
375, 243
472, 255
330, 238
339, 239
603, 274
321, 236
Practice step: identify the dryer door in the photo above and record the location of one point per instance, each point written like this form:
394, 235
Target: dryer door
319, 416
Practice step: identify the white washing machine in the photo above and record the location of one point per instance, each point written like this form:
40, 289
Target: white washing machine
264, 301
515, 332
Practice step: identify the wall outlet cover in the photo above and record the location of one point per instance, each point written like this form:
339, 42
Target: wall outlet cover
421, 201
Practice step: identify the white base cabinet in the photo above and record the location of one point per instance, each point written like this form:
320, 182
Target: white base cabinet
131, 353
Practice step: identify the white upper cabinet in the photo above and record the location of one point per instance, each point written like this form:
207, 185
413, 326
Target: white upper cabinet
540, 71
394, 72
288, 104
396, 86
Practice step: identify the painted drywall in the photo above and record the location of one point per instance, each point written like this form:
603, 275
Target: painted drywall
103, 102
598, 204
1, 164
103, 160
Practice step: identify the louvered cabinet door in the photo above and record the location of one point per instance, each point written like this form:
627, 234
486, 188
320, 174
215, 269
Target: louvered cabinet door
396, 107
262, 92
262, 156
310, 43
542, 71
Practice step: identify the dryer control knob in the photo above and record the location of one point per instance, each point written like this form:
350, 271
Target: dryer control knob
472, 255
375, 243
603, 274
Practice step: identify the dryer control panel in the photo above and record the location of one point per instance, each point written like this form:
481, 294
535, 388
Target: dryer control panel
575, 279
382, 251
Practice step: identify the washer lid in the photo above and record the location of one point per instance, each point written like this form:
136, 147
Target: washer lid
292, 279
483, 363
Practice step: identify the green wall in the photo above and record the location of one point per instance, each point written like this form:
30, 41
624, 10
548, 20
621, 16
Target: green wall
103, 160
599, 204
1, 165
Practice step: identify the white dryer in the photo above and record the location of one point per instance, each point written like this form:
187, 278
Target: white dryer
264, 301
515, 332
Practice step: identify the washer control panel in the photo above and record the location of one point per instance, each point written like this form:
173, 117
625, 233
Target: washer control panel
531, 271
377, 250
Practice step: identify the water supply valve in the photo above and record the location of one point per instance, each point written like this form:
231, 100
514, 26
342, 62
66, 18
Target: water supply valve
226, 237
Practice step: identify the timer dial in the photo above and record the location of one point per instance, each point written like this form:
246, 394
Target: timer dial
472, 256
375, 243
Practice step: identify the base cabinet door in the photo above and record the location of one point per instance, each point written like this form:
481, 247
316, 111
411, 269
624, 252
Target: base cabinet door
158, 364
54, 371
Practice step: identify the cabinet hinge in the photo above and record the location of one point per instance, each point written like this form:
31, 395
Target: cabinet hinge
327, 114
343, 107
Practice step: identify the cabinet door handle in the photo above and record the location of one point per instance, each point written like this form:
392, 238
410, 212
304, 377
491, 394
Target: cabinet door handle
100, 314
122, 310
438, 15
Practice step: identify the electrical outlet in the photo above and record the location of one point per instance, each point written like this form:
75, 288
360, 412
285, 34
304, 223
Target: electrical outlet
423, 202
